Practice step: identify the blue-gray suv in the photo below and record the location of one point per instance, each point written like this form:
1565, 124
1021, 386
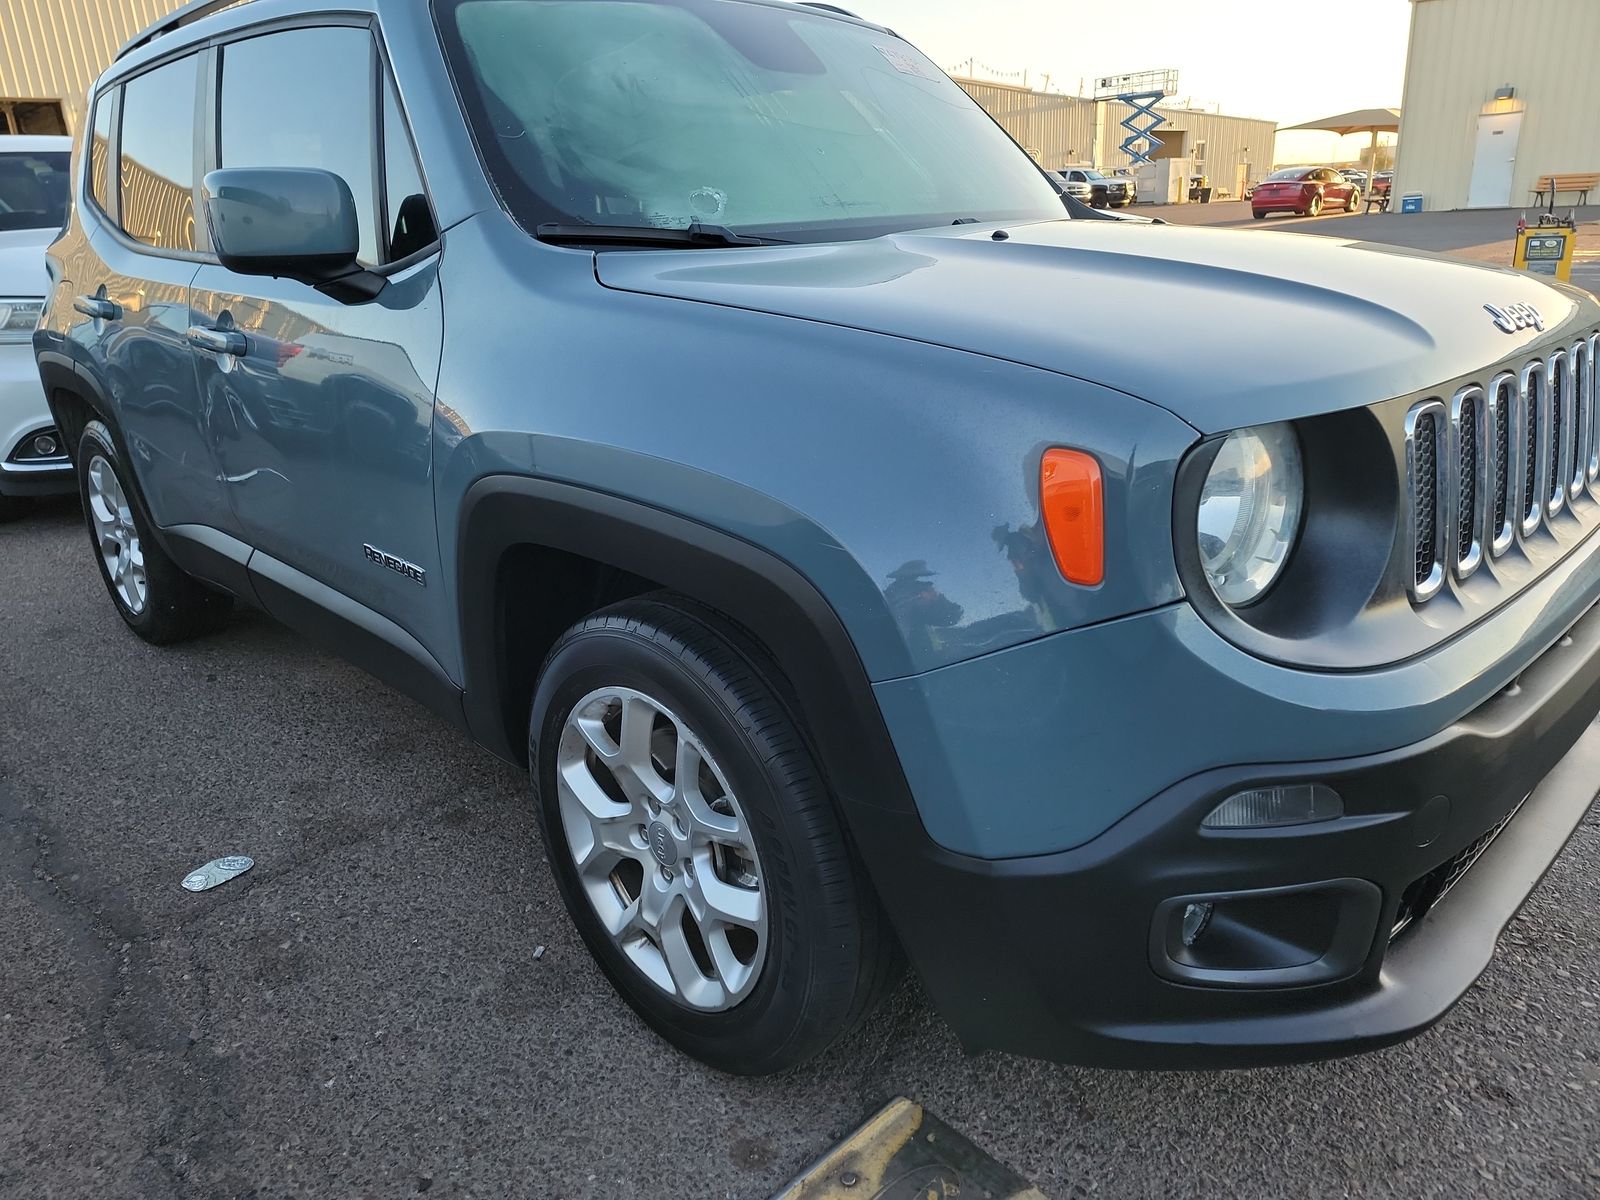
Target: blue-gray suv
694, 401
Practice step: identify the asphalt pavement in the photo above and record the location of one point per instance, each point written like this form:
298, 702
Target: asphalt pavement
1485, 235
367, 1013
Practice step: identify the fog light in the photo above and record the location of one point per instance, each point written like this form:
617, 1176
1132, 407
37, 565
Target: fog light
1280, 804
1195, 919
45, 446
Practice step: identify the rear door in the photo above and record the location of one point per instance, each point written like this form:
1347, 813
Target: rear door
323, 425
134, 291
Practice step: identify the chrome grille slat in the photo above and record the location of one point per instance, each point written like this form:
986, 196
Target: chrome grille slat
1533, 418
1558, 393
1582, 432
1502, 404
1426, 491
1469, 477
1592, 390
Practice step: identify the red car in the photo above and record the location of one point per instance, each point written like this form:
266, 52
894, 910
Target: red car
1305, 191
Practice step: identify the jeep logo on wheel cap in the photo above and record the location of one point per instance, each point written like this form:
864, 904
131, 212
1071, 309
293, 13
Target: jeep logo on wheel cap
662, 844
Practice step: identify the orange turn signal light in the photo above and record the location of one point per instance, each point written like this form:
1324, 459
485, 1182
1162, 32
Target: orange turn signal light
1072, 498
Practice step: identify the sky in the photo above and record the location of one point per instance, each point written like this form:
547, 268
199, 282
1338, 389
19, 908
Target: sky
1287, 63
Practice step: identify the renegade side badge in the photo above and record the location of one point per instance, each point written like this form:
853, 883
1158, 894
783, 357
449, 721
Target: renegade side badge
399, 565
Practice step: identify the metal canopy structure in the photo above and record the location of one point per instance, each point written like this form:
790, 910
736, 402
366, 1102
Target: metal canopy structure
1362, 120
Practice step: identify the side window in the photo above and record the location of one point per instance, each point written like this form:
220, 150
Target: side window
411, 224
100, 175
157, 167
305, 98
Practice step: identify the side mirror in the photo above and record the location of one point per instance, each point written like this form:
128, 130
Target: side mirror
289, 222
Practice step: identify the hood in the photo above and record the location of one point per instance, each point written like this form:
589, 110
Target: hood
1223, 328
22, 270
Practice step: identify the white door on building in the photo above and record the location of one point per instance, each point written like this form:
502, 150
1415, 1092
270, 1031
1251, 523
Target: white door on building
1495, 160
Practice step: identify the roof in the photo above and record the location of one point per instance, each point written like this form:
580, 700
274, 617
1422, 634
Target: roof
1361, 120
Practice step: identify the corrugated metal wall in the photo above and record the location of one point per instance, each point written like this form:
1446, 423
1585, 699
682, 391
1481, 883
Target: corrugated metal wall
1056, 130
1461, 51
1230, 143
54, 49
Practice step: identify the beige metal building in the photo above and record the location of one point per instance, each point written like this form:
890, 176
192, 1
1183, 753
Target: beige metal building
1498, 93
52, 50
1058, 130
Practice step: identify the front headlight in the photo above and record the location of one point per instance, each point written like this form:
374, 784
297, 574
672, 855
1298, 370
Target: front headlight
1249, 512
18, 319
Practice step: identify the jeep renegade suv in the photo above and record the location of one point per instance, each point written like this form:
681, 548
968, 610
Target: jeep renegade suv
686, 398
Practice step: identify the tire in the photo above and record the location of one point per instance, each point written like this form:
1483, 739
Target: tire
1258, 214
152, 594
818, 955
1353, 203
1314, 209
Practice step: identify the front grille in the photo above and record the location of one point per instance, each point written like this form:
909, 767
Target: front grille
1522, 449
1427, 890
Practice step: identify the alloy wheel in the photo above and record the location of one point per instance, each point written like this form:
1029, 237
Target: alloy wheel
117, 536
663, 851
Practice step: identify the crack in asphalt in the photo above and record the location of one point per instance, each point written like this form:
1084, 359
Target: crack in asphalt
115, 946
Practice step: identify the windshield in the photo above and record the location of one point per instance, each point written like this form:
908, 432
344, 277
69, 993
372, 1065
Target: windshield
33, 190
756, 118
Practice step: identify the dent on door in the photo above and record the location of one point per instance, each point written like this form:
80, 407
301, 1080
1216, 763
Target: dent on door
322, 429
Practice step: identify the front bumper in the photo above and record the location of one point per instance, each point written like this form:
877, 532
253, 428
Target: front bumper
1058, 956
24, 414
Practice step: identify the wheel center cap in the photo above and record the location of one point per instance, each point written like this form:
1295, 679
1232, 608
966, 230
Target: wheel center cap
662, 844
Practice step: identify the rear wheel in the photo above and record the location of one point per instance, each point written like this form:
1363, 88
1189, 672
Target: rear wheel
1314, 209
152, 593
1258, 214
695, 843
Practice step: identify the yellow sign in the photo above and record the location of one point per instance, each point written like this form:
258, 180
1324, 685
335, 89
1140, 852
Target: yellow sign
1546, 250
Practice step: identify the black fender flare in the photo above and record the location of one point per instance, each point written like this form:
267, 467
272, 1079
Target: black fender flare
778, 605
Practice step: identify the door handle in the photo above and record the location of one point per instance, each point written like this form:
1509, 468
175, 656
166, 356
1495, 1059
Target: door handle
218, 341
94, 306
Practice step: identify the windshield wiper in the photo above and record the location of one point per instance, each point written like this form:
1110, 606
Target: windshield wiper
697, 233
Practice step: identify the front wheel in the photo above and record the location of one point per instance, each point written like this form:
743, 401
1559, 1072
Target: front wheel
1354, 202
695, 843
152, 594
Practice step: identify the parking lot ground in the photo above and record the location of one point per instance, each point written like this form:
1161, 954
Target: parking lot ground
366, 1013
1482, 235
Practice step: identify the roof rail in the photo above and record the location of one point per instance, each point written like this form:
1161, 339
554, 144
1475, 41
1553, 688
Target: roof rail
187, 15
833, 8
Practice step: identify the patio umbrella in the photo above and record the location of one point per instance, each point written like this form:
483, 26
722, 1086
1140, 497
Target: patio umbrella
1362, 120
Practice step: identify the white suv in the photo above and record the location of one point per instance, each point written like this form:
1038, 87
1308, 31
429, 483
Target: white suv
33, 208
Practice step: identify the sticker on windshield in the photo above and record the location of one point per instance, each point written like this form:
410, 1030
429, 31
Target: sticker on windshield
905, 62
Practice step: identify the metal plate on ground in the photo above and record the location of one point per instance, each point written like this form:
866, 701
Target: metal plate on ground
906, 1153
217, 871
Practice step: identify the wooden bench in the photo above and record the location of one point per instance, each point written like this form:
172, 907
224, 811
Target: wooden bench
1578, 182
